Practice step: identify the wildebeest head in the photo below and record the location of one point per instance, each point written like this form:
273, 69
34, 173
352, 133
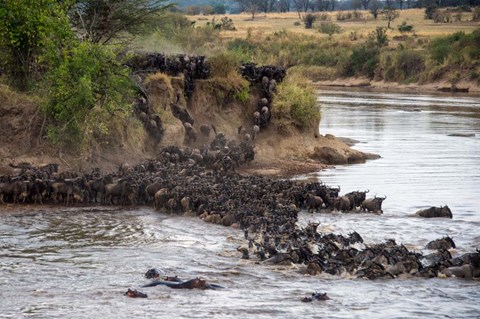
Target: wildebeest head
446, 211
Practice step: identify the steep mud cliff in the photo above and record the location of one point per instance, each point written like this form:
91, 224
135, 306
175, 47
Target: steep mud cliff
211, 104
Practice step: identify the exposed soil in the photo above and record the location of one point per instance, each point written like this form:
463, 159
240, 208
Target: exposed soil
23, 139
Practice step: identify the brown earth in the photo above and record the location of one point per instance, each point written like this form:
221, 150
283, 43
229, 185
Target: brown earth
22, 134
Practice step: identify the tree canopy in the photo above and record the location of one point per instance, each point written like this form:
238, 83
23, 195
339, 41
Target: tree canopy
102, 21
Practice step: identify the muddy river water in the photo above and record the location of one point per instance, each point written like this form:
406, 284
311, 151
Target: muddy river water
77, 262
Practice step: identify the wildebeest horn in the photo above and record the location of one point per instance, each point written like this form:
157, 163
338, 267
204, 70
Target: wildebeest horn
367, 191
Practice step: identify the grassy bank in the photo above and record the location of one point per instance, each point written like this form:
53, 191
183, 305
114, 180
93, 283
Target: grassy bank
413, 50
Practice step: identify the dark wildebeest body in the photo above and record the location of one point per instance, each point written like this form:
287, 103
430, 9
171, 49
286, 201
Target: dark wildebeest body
356, 198
435, 212
443, 243
313, 203
373, 205
342, 204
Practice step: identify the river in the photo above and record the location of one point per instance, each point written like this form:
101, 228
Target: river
77, 262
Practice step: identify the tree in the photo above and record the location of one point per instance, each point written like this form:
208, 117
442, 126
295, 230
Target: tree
301, 6
390, 14
357, 4
102, 21
333, 4
321, 5
266, 5
88, 87
251, 6
365, 4
28, 30
283, 5
219, 7
400, 4
375, 8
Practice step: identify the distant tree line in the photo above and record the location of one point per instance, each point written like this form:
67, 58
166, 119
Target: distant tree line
265, 6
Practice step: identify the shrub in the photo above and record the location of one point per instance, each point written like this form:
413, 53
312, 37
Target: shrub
409, 64
224, 24
295, 104
308, 20
430, 11
405, 28
476, 14
329, 28
323, 17
88, 88
226, 81
343, 16
363, 61
378, 37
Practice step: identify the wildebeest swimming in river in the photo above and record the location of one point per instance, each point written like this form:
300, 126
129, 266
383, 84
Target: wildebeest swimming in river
435, 212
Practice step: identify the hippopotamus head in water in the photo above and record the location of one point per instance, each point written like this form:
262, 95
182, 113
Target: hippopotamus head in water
316, 296
154, 273
135, 294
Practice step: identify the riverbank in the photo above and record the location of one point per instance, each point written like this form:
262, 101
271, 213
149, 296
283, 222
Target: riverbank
471, 87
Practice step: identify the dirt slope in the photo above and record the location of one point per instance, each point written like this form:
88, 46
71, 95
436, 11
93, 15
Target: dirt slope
21, 139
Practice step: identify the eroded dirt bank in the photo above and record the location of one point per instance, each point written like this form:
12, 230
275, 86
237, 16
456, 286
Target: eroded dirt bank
23, 137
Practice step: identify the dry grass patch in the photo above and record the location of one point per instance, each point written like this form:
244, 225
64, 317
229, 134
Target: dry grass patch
274, 22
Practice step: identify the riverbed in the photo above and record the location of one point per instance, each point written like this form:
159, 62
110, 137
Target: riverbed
77, 262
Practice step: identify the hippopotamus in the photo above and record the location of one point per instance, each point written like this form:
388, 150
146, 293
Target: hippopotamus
135, 294
435, 212
196, 283
316, 296
175, 282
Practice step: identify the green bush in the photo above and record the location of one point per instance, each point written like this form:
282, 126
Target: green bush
409, 64
88, 89
459, 48
295, 104
363, 60
30, 33
405, 28
329, 28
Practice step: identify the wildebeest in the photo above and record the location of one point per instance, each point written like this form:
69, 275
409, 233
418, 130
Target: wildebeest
341, 203
122, 190
356, 198
373, 204
15, 189
313, 203
435, 212
205, 130
443, 243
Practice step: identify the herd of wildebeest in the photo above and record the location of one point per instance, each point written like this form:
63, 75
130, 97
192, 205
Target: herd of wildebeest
204, 183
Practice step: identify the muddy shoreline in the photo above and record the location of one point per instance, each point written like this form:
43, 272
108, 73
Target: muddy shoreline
469, 88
